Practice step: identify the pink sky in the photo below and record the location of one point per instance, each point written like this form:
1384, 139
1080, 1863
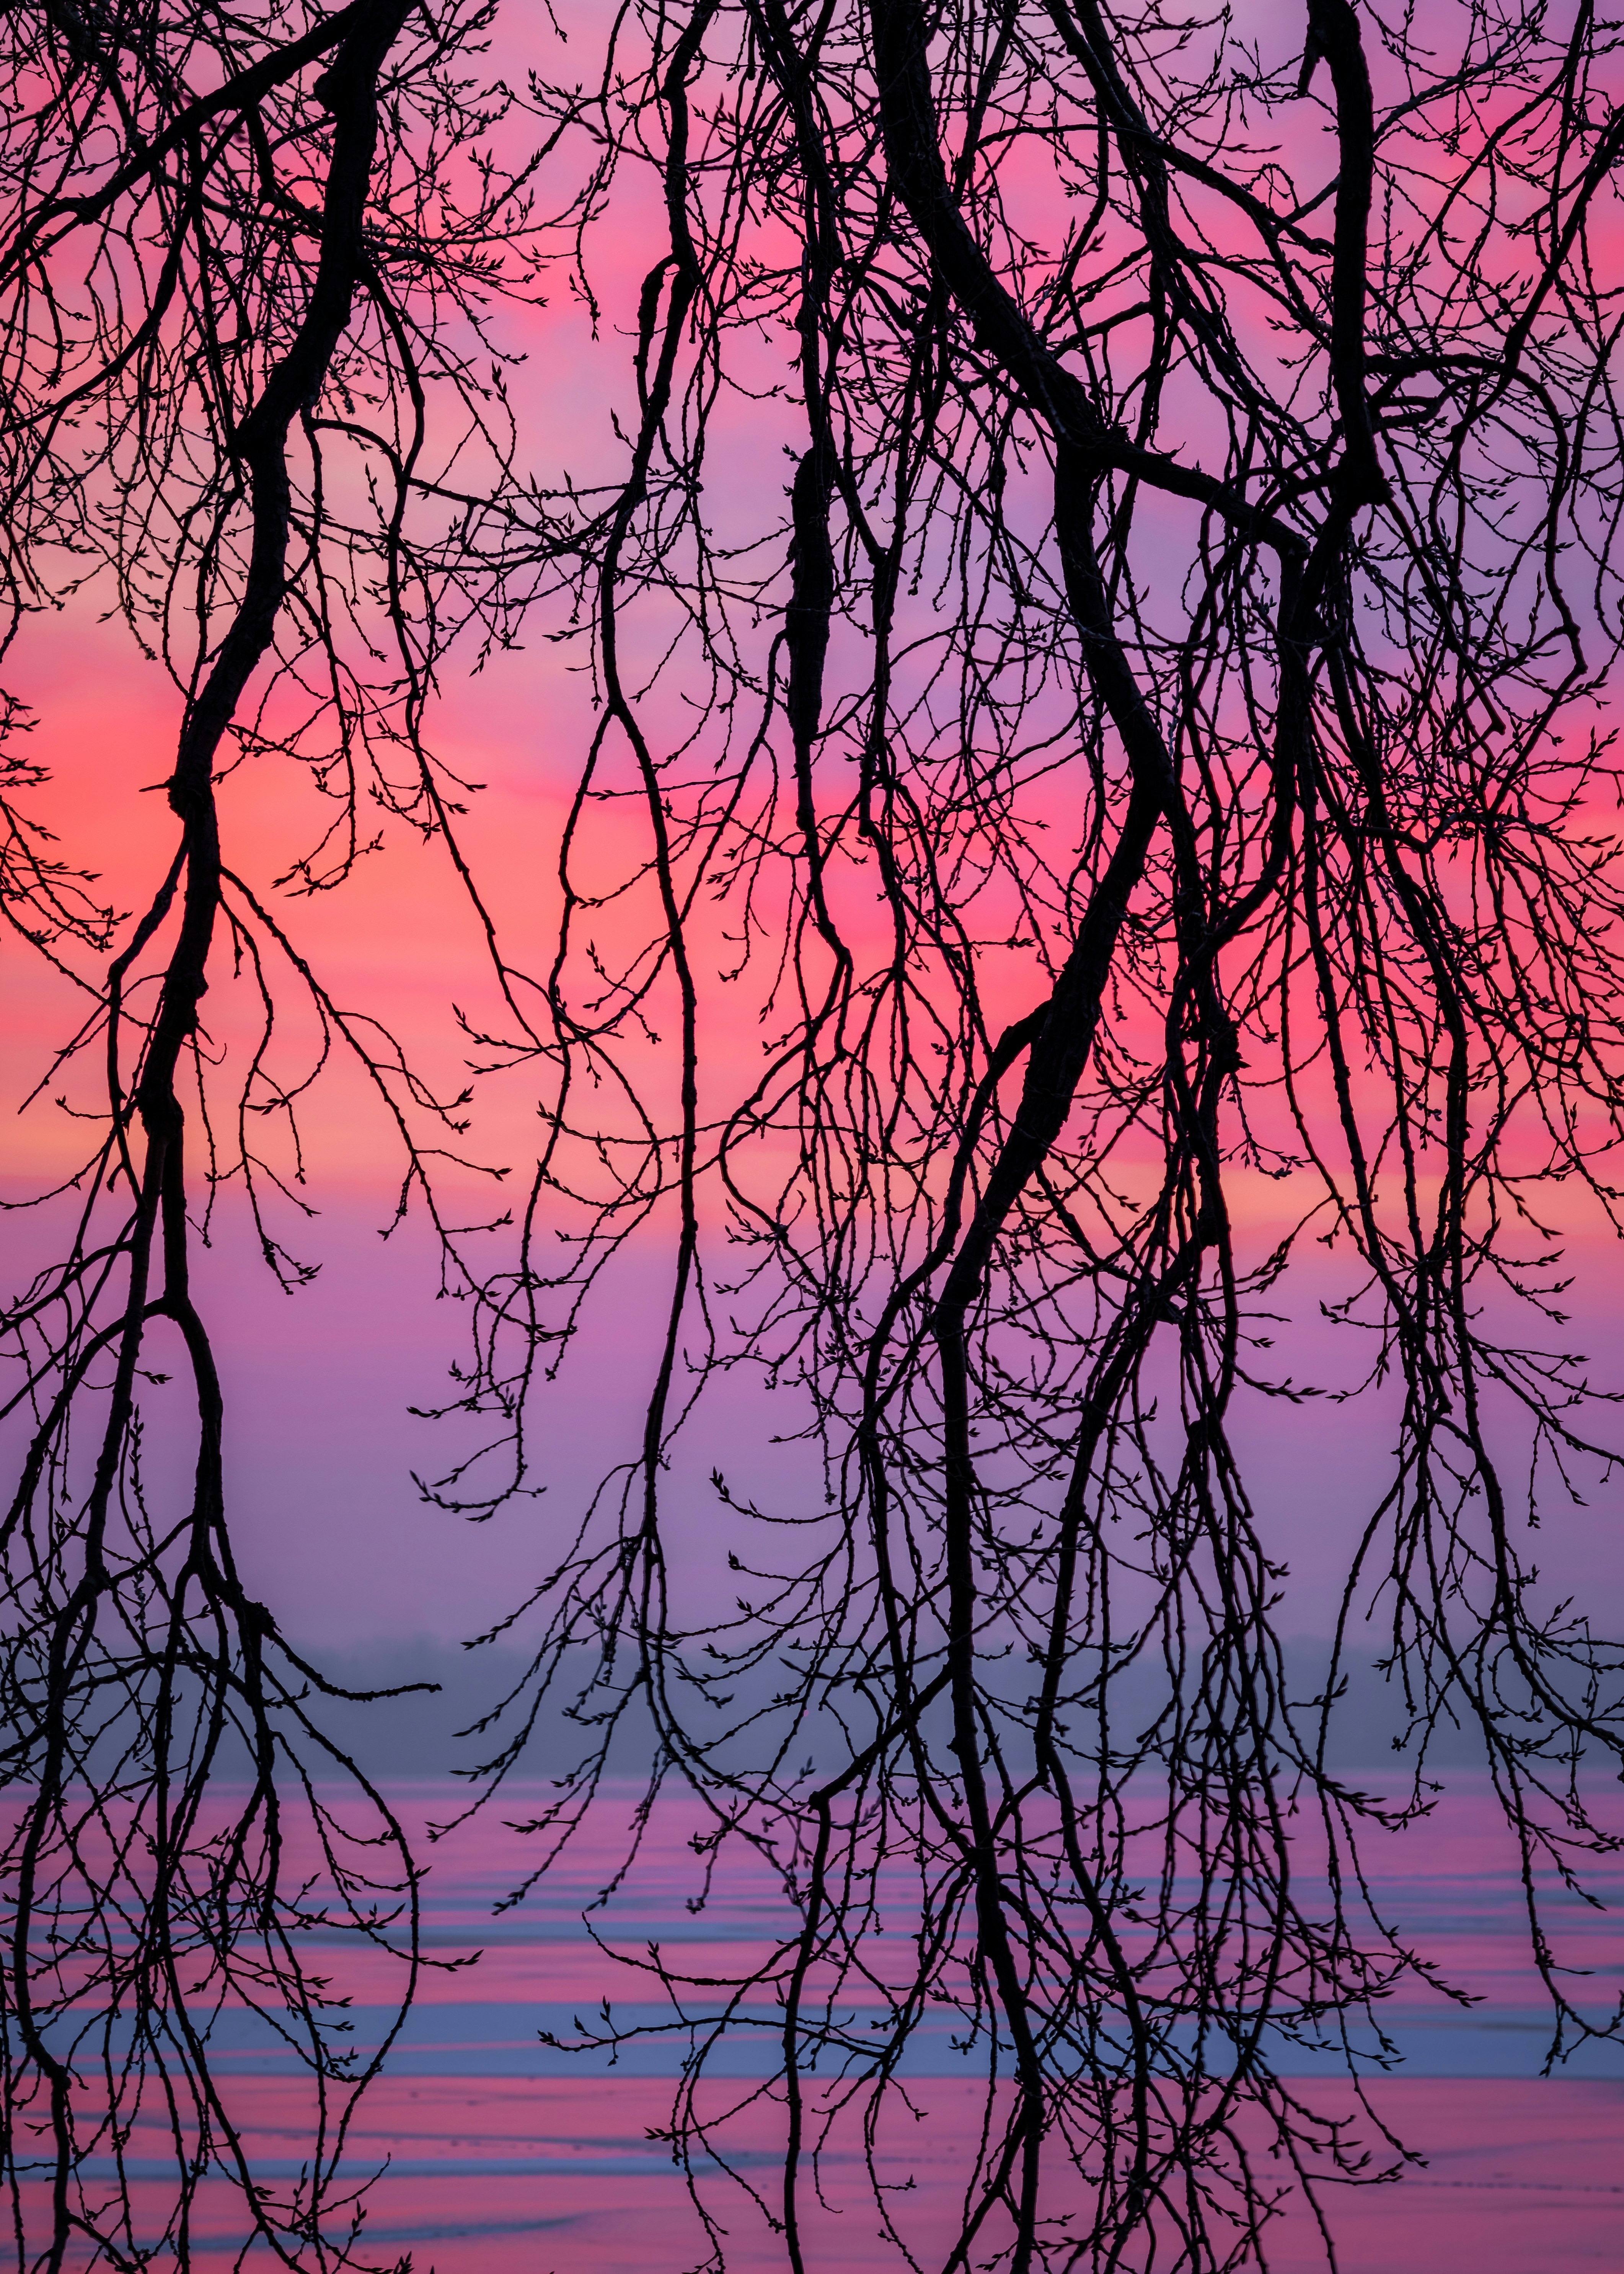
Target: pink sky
318, 1381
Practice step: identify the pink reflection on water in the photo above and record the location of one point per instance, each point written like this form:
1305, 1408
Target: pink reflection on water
566, 2174
552, 2176
1521, 2175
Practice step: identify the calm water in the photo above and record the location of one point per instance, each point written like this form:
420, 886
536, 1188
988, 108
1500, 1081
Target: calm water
504, 2153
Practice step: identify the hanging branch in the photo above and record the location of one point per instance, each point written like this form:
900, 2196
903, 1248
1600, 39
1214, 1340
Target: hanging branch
248, 296
1122, 770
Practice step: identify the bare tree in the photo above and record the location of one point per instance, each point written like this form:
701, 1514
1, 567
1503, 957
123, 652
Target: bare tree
1126, 765
247, 260
1205, 467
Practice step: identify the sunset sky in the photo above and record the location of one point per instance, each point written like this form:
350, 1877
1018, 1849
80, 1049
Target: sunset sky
319, 1446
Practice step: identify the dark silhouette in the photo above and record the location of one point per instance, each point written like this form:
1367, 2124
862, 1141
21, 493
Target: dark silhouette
1123, 763
235, 259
